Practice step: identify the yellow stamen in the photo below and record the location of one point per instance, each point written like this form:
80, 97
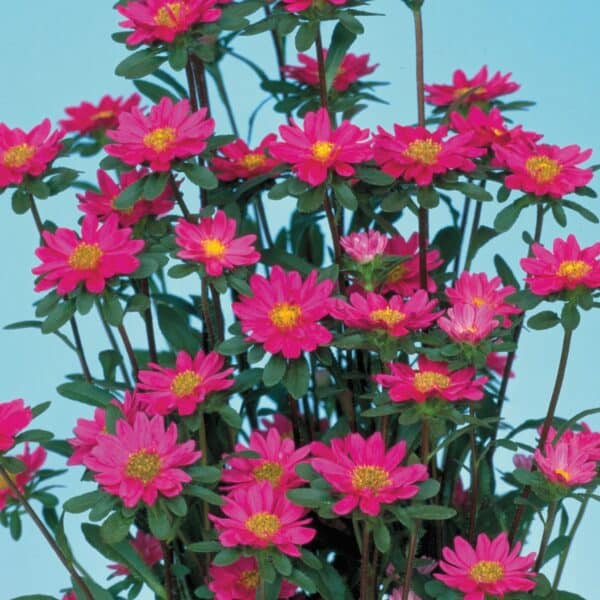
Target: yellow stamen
423, 151
4, 483
396, 274
370, 477
17, 156
269, 471
387, 316
465, 92
252, 160
263, 525
213, 248
85, 256
573, 270
322, 150
249, 580
425, 381
563, 474
168, 16
103, 114
542, 168
478, 301
185, 383
160, 139
487, 571
144, 465
285, 316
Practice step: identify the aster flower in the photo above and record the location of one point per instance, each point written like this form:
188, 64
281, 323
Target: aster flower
26, 153
431, 380
316, 150
168, 132
212, 242
163, 390
363, 247
283, 312
398, 594
300, 5
70, 596
260, 518
496, 362
242, 162
102, 204
586, 440
476, 89
32, 462
14, 417
142, 460
415, 154
281, 423
148, 548
164, 20
523, 461
88, 118
99, 254
565, 268
468, 324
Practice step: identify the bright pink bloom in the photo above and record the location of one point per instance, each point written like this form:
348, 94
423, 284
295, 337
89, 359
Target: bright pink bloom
281, 423
142, 460
212, 242
523, 461
465, 91
299, 5
241, 162
26, 153
32, 461
240, 580
468, 324
147, 546
164, 390
398, 594
415, 154
431, 380
586, 440
89, 118
258, 517
497, 362
86, 436
544, 170
283, 312
70, 596
363, 247
461, 497
98, 255
316, 150
164, 20
14, 417
168, 132
365, 474
565, 268
490, 568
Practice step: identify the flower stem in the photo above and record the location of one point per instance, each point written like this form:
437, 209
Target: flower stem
474, 481
185, 211
551, 516
410, 561
113, 342
474, 228
364, 563
168, 554
262, 220
321, 63
145, 289
129, 349
463, 227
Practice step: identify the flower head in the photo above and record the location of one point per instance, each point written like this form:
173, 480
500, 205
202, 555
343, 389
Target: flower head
148, 548
241, 162
523, 461
281, 423
468, 324
14, 417
32, 462
363, 247
300, 5
496, 362
398, 594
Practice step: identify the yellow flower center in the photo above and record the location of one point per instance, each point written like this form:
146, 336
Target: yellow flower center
18, 155
497, 132
542, 168
573, 269
370, 477
463, 91
185, 383
263, 525
269, 471
396, 274
253, 160
160, 139
487, 571
144, 465
387, 316
425, 381
563, 474
478, 301
103, 114
285, 316
322, 150
250, 579
213, 248
85, 256
168, 16
423, 151
4, 483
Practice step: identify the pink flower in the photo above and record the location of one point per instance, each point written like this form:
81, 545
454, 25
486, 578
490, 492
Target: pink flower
284, 311
365, 474
415, 154
169, 132
490, 568
212, 242
586, 440
241, 162
465, 91
26, 153
300, 5
565, 268
32, 461
468, 324
461, 497
497, 363
164, 20
88, 118
281, 423
260, 518
523, 461
544, 170
147, 546
181, 389
363, 247
316, 150
98, 255
70, 596
14, 417
394, 316
431, 380
142, 460
101, 204
240, 580
398, 594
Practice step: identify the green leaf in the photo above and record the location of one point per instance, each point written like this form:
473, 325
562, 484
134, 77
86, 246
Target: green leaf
174, 325
159, 523
204, 547
345, 196
230, 416
584, 212
205, 474
112, 310
308, 497
504, 272
204, 493
233, 346
381, 536
226, 557
282, 564
341, 40
58, 316
153, 91
297, 377
311, 200
374, 176
350, 22
569, 316
139, 64
200, 175
85, 302
508, 216
154, 185
472, 190
395, 201
115, 528
20, 201
431, 512
555, 548
543, 320
301, 579
35, 435
427, 197
274, 370
130, 195
306, 35
428, 489
85, 393
482, 236
138, 303
82, 503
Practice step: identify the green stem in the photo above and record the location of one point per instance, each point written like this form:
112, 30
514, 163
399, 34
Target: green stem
410, 561
145, 289
168, 556
113, 342
551, 516
474, 481
321, 63
463, 227
474, 228
364, 563
129, 350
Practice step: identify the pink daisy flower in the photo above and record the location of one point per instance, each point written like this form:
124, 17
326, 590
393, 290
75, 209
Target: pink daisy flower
212, 242
141, 460
260, 518
148, 548
476, 89
544, 170
87, 118
523, 461
167, 133
26, 153
241, 162
468, 324
395, 316
14, 417
283, 312
277, 463
164, 390
565, 268
431, 380
316, 150
70, 596
281, 423
240, 580
586, 440
365, 474
101, 204
164, 20
496, 362
415, 154
398, 594
491, 568
300, 5
99, 254
363, 247
32, 461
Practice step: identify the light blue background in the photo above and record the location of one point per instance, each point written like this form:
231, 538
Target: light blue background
56, 54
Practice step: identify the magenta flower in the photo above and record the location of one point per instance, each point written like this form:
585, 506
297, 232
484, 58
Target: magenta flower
497, 363
363, 247
241, 162
148, 548
32, 462
300, 5
14, 417
86, 436
468, 324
